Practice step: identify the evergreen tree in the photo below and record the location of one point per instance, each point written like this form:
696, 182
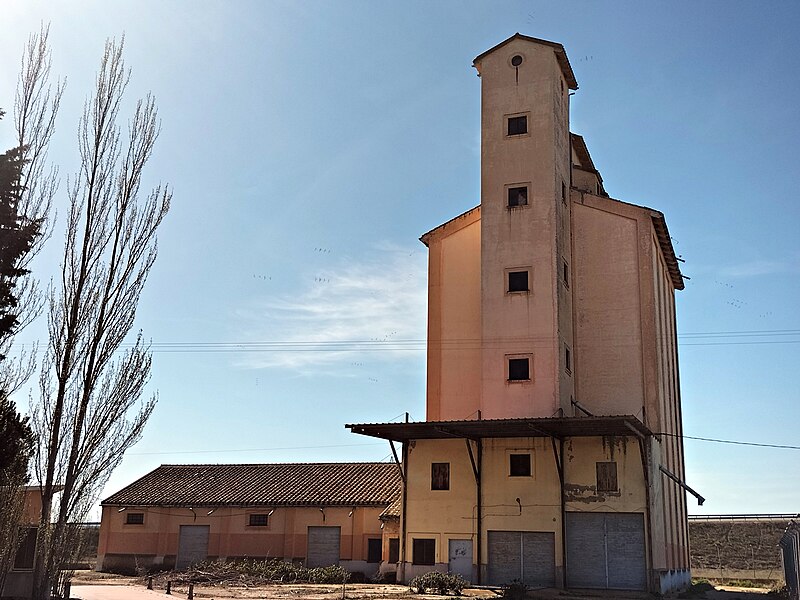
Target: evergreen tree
17, 235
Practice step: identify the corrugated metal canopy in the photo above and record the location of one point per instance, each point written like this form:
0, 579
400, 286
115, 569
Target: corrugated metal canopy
558, 427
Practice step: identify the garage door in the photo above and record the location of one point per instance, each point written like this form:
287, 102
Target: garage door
323, 546
527, 556
192, 545
606, 550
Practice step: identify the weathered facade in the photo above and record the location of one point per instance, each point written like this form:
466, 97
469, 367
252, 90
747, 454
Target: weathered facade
553, 401
19, 580
317, 514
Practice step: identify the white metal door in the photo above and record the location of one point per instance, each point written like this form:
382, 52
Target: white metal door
460, 558
192, 545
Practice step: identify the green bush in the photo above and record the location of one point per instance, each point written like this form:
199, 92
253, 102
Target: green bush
438, 583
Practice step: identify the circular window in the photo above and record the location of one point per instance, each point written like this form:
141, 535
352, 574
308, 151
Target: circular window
516, 60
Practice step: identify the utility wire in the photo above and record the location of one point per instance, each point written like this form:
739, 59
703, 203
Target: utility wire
711, 338
686, 437
250, 449
737, 442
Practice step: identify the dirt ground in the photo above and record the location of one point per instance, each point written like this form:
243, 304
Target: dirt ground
367, 591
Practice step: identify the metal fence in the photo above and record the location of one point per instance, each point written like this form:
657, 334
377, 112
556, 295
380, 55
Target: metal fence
790, 557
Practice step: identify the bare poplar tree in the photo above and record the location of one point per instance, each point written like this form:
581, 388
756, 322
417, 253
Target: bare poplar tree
27, 187
33, 186
91, 407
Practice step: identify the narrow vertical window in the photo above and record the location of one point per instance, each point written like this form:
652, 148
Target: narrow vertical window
440, 476
519, 369
394, 550
423, 551
374, 550
567, 359
607, 477
27, 548
565, 273
563, 192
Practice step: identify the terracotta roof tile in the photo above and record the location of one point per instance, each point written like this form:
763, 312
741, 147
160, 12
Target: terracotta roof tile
393, 510
328, 484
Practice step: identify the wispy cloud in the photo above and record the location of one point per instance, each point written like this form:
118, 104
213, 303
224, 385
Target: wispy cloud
756, 268
374, 306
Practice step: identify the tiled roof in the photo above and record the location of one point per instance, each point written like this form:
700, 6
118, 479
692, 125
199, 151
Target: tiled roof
393, 510
317, 484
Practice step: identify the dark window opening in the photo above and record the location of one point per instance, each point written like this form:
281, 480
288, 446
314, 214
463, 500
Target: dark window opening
394, 550
517, 196
607, 477
517, 125
563, 192
134, 519
374, 551
519, 369
568, 359
519, 465
565, 273
259, 520
424, 552
27, 548
516, 60
440, 476
518, 281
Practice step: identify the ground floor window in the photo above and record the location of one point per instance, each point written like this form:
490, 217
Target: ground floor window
424, 551
27, 548
374, 551
394, 550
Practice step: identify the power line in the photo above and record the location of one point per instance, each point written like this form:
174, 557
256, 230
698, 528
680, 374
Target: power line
712, 338
736, 442
249, 449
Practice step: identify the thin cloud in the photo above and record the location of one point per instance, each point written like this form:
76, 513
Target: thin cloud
757, 268
379, 302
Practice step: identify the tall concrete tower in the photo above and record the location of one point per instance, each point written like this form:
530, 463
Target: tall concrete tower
526, 305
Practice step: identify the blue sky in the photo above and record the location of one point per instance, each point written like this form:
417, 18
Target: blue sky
310, 144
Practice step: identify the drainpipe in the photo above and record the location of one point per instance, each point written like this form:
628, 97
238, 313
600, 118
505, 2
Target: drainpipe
562, 477
403, 514
480, 509
644, 451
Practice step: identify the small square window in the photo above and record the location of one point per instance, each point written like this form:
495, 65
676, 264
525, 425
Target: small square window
519, 465
424, 551
135, 518
518, 281
440, 476
394, 550
567, 359
259, 520
517, 196
519, 369
517, 125
374, 550
607, 477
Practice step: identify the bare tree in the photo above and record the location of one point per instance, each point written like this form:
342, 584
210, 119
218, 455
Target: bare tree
91, 407
31, 185
27, 187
